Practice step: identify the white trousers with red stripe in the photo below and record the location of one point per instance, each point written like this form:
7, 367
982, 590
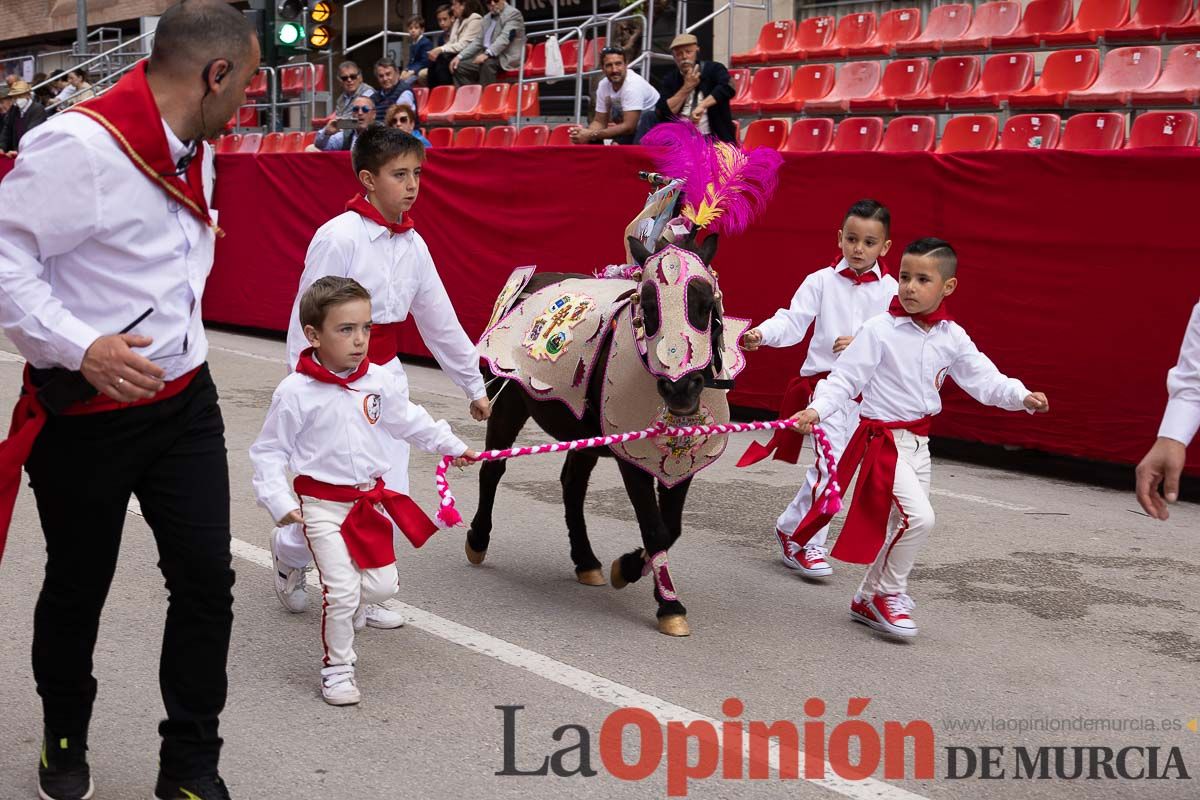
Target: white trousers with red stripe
911, 521
344, 587
839, 427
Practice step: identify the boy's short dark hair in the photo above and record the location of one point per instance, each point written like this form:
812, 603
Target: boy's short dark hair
324, 294
416, 19
871, 209
940, 250
443, 7
378, 145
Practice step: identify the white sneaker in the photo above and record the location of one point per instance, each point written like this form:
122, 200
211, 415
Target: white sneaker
289, 582
377, 616
338, 687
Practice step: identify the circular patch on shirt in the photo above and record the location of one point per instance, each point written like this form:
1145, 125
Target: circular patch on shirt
372, 407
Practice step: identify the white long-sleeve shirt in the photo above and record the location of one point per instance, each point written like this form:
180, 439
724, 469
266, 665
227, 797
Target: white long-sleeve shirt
835, 305
899, 370
88, 243
1182, 417
338, 436
399, 273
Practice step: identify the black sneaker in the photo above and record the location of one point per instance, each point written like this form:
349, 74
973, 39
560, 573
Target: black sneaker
210, 787
63, 772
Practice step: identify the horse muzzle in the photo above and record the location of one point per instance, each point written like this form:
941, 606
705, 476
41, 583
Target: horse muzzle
682, 397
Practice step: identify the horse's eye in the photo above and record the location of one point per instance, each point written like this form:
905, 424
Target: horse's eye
651, 318
699, 305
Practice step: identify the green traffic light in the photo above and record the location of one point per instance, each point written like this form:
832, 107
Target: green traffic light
289, 33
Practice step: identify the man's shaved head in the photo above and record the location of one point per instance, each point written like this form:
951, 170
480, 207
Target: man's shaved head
195, 32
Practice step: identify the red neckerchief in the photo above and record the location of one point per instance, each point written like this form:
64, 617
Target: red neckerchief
307, 365
859, 278
896, 309
129, 112
363, 206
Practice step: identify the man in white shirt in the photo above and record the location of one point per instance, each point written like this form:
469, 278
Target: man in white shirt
624, 98
1163, 465
106, 241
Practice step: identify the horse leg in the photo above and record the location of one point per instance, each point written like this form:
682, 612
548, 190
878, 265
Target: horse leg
509, 415
670, 503
577, 468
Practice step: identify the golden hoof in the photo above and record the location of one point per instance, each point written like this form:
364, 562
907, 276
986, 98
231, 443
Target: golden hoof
615, 577
674, 625
476, 557
591, 577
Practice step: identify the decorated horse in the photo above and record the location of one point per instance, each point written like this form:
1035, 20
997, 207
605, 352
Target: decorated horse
640, 344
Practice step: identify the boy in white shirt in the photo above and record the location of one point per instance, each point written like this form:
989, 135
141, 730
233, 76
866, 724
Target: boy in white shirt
374, 243
329, 424
898, 362
835, 301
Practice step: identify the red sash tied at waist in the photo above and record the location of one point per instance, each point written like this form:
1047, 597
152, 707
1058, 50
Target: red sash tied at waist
873, 446
28, 419
786, 443
367, 531
384, 343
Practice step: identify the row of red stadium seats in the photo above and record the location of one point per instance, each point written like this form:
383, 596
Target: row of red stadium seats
470, 103
293, 81
1069, 79
974, 132
996, 25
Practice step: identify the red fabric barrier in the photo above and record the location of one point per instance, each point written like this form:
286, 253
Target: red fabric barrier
6, 165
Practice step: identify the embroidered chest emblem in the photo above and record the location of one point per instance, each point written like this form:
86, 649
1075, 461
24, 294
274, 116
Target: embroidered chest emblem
549, 335
372, 407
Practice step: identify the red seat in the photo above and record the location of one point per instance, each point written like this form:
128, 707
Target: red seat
739, 79
309, 139
293, 142
470, 137
561, 135
1164, 129
258, 86
569, 50
855, 80
466, 103
951, 75
1030, 132
271, 143
904, 77
591, 56
321, 122
493, 103
440, 100
421, 95
500, 136
1190, 29
299, 79
1041, 17
1094, 132
1003, 75
991, 20
774, 40
1126, 70
945, 23
895, 26
532, 136
769, 84
440, 137
909, 134
853, 30
531, 104
1150, 20
766, 133
1179, 83
229, 143
250, 143
968, 132
247, 117
535, 61
1064, 71
811, 82
1093, 19
811, 35
857, 133
809, 135
512, 74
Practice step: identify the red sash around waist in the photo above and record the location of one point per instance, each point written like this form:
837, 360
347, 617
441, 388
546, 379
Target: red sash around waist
786, 443
385, 342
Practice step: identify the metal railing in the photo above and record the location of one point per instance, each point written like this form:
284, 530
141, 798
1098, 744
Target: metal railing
136, 56
383, 33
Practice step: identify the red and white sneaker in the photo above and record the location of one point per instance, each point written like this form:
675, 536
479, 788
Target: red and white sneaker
808, 560
889, 613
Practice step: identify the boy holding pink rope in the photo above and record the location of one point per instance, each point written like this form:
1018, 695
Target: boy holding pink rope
898, 362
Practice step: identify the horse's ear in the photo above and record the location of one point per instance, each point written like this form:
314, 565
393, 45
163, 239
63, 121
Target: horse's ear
708, 249
638, 250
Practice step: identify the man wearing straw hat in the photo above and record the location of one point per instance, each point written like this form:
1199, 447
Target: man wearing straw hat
26, 114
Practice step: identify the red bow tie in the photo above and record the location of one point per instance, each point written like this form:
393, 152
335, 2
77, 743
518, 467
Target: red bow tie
361, 205
307, 365
896, 309
859, 278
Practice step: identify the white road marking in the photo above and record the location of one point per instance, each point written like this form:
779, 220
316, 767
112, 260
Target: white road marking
974, 498
13, 357
247, 354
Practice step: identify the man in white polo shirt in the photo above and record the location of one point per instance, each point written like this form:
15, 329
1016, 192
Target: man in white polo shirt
624, 98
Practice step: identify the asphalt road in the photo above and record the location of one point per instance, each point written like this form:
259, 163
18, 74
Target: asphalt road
1042, 604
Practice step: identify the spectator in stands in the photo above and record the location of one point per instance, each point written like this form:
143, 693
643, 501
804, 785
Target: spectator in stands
625, 104
62, 89
445, 21
77, 78
466, 28
331, 138
44, 94
698, 90
418, 51
353, 87
391, 90
25, 115
405, 118
499, 47
6, 103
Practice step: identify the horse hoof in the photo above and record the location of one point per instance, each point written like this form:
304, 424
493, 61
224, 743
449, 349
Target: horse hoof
615, 577
590, 577
476, 557
674, 625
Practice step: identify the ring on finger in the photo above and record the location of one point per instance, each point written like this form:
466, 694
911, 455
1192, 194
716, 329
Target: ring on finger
118, 383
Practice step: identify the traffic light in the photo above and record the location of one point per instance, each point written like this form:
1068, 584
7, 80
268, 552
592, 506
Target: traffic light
320, 18
290, 34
